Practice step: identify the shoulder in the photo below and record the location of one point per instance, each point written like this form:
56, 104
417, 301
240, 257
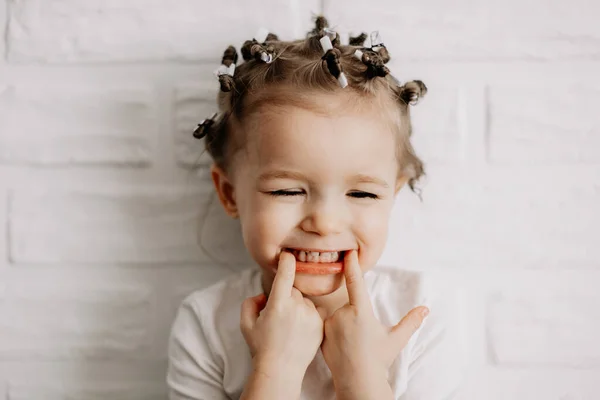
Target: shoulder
443, 331
205, 327
215, 310
403, 289
438, 349
224, 297
238, 285
395, 291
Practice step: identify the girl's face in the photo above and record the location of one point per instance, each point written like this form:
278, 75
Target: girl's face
307, 181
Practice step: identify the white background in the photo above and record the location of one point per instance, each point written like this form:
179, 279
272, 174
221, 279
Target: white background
100, 207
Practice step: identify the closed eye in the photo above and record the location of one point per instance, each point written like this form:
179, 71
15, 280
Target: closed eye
285, 193
358, 195
363, 195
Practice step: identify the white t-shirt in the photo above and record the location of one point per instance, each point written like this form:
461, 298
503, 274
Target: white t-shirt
209, 359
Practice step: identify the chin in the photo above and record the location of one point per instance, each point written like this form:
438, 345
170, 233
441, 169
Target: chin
318, 285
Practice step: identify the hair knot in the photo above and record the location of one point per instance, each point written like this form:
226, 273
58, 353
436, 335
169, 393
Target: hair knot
358, 40
226, 70
374, 62
230, 56
204, 127
332, 58
259, 47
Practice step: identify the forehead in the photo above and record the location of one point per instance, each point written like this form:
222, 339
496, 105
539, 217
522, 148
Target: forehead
325, 145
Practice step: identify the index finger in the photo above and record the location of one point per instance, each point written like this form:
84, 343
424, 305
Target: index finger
357, 291
284, 277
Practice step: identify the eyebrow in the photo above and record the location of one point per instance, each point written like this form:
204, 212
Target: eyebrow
360, 178
280, 174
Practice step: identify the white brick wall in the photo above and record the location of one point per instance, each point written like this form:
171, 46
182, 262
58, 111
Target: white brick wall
63, 125
100, 207
79, 319
156, 226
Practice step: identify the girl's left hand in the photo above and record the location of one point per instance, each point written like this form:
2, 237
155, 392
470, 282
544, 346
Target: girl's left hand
357, 347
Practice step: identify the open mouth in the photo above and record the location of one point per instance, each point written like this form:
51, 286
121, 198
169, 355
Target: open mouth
318, 256
318, 262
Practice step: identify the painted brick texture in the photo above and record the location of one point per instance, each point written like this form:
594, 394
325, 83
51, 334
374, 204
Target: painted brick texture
108, 218
90, 126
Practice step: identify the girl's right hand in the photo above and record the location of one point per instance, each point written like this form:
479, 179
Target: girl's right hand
286, 336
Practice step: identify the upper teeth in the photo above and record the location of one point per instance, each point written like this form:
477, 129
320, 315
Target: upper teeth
315, 256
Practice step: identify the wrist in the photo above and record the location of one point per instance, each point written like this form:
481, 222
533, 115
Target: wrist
274, 368
267, 382
262, 386
361, 384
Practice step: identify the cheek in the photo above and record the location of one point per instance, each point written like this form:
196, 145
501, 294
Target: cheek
265, 225
373, 227
374, 222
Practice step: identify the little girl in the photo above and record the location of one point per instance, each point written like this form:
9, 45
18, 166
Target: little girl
310, 147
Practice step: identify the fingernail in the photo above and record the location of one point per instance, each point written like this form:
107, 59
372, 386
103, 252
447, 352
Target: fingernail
424, 312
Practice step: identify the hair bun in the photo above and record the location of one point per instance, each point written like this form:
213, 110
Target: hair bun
204, 127
413, 91
358, 40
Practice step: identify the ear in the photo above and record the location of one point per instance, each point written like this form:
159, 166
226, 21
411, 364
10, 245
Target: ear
400, 182
225, 190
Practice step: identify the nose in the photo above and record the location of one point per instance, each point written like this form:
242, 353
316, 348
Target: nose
324, 217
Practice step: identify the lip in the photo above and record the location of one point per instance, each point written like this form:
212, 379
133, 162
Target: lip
319, 268
312, 268
317, 250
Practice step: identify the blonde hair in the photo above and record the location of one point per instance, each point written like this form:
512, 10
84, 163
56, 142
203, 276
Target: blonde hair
299, 68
